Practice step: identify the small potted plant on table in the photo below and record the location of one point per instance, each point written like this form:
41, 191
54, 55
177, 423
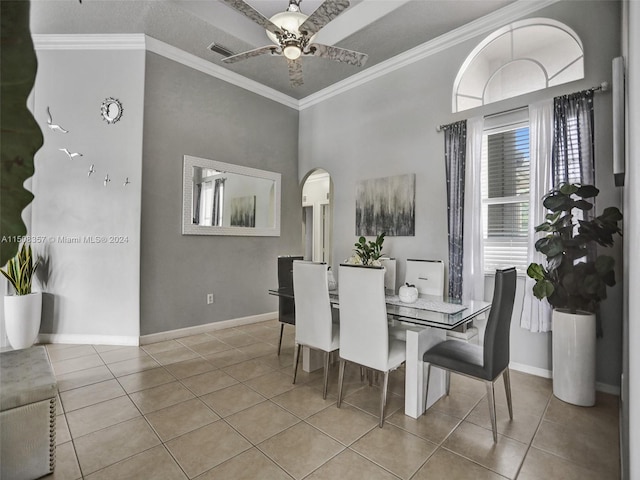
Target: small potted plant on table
367, 253
574, 283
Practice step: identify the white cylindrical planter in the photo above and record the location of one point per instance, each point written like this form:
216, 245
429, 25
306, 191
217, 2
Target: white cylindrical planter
574, 357
22, 315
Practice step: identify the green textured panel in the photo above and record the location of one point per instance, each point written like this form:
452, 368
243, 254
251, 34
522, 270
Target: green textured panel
20, 135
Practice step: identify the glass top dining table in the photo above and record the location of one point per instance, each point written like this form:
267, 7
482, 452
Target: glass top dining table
432, 317
428, 310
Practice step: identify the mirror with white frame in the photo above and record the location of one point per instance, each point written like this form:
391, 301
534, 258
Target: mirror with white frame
224, 199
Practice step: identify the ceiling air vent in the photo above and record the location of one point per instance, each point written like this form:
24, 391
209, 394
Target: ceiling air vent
214, 47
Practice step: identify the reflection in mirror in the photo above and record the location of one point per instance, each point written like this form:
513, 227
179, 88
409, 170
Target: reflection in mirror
225, 199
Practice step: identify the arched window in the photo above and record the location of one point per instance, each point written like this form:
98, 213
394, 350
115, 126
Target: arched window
518, 58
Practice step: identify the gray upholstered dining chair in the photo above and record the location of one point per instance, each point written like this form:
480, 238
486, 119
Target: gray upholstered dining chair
486, 362
286, 305
315, 326
364, 331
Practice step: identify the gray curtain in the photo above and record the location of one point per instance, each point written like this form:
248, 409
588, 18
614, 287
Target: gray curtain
196, 202
573, 152
218, 195
455, 148
572, 159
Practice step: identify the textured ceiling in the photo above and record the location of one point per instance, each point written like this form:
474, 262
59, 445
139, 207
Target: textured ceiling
380, 28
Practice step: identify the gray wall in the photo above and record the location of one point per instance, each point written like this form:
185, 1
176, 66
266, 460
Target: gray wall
388, 127
92, 284
190, 113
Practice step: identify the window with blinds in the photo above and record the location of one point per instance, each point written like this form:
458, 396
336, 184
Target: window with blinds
505, 196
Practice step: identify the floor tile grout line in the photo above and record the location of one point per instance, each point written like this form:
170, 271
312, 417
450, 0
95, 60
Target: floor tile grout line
441, 445
305, 420
542, 420
533, 437
143, 415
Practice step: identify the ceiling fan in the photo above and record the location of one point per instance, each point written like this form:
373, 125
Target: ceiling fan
292, 33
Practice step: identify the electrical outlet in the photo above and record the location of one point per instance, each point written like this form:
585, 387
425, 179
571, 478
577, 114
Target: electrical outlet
209, 298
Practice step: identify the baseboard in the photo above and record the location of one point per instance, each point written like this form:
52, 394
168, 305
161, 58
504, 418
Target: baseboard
541, 372
81, 339
538, 372
185, 332
606, 388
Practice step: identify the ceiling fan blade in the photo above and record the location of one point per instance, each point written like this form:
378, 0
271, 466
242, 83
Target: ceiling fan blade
295, 72
338, 54
248, 11
326, 12
272, 49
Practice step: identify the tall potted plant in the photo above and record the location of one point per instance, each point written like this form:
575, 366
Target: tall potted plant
22, 311
574, 282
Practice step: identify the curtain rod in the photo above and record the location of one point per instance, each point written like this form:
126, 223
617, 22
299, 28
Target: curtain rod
603, 87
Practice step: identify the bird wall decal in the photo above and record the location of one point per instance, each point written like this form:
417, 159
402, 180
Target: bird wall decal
106, 180
70, 154
126, 181
53, 126
91, 170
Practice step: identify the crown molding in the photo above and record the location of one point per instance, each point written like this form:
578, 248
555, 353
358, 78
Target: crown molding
134, 41
483, 25
140, 41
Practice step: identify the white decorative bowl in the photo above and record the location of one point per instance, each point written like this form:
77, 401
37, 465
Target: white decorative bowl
408, 294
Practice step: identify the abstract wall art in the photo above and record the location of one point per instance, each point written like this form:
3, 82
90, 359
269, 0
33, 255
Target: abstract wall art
243, 211
386, 205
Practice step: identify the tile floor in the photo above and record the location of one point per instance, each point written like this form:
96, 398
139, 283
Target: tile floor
221, 405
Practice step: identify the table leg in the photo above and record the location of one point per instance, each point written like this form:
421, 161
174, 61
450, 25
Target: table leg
419, 342
312, 359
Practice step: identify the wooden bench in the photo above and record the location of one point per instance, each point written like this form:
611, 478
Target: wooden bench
28, 391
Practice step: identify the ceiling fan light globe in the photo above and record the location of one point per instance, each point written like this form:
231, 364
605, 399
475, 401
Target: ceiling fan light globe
289, 21
292, 52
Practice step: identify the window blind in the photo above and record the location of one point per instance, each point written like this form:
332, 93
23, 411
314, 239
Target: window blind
505, 196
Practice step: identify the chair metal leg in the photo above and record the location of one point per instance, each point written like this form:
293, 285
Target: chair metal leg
326, 375
507, 389
448, 381
280, 341
341, 381
383, 398
426, 387
296, 355
492, 410
362, 374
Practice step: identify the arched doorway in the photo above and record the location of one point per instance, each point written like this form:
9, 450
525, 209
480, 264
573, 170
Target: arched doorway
317, 193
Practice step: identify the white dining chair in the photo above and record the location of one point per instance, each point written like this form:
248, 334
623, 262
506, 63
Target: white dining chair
426, 275
364, 331
389, 265
315, 327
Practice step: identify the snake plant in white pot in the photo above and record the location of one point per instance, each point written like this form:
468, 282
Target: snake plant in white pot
574, 283
22, 311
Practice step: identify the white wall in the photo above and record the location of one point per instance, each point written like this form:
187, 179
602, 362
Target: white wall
88, 234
